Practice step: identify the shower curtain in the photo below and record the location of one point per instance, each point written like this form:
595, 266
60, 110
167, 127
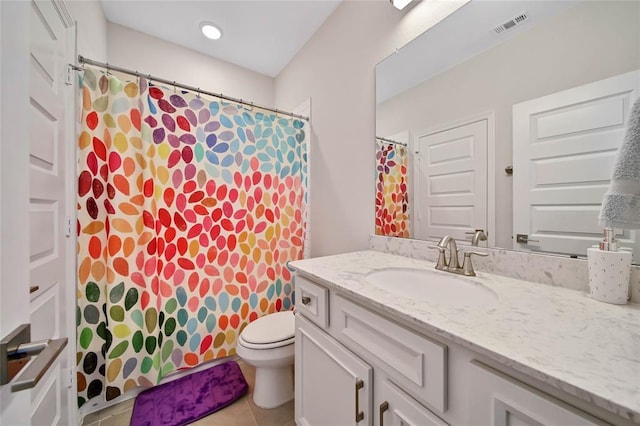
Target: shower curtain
188, 211
392, 199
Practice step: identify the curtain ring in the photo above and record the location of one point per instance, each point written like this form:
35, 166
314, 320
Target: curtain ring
108, 69
198, 93
174, 86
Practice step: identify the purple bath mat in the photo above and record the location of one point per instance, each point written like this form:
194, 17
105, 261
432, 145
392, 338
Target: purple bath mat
190, 398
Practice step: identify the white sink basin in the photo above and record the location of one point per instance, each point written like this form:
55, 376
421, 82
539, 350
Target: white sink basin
439, 288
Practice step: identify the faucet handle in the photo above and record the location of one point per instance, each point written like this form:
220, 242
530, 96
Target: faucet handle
442, 261
467, 266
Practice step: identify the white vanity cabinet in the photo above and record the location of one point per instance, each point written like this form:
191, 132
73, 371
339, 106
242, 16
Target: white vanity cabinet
542, 356
394, 407
333, 386
355, 367
499, 400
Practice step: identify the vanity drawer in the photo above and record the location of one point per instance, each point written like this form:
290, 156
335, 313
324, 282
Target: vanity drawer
499, 400
312, 301
413, 362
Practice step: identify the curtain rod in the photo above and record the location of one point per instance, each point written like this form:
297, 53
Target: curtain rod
108, 67
391, 141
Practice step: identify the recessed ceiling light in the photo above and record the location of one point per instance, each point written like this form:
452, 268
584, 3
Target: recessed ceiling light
400, 4
210, 30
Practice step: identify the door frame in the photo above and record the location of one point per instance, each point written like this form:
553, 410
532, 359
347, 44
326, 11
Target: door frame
489, 116
73, 121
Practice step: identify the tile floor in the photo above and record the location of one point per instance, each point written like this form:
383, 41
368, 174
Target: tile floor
243, 412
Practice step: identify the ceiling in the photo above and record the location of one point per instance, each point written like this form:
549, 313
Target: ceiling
455, 39
260, 35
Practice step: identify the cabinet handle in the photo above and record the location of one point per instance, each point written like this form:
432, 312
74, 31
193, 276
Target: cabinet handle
359, 414
306, 300
383, 407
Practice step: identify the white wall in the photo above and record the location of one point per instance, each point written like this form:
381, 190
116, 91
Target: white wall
150, 55
336, 69
589, 42
92, 28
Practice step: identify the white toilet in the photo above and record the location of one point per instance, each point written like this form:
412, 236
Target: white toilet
267, 344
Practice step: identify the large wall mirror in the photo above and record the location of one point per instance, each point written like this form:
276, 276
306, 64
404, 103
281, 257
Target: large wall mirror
506, 118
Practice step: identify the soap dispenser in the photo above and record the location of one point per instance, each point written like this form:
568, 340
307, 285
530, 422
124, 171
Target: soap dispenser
609, 271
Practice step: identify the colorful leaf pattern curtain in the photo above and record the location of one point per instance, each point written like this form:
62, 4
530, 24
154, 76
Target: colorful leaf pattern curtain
188, 212
392, 199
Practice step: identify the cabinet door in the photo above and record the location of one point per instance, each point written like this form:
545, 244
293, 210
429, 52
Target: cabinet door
396, 408
333, 386
498, 400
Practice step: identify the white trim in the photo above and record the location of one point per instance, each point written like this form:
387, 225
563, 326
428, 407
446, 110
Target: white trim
65, 15
304, 109
70, 301
491, 179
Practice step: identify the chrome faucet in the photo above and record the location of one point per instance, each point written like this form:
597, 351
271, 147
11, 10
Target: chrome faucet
452, 264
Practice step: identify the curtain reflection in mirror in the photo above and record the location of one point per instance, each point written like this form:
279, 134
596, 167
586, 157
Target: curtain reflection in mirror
392, 199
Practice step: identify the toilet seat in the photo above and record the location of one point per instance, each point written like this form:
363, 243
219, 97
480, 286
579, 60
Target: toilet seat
270, 331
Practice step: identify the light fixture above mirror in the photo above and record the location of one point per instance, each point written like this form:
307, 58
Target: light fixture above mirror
400, 4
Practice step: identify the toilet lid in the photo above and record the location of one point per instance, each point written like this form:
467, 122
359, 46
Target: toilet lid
271, 328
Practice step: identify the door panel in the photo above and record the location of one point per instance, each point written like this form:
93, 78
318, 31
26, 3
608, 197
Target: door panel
326, 392
48, 203
39, 193
564, 148
14, 177
46, 398
451, 183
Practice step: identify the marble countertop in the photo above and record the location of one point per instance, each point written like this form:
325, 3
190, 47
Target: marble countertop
562, 337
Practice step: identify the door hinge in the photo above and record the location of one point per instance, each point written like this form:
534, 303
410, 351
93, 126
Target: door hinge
68, 80
68, 230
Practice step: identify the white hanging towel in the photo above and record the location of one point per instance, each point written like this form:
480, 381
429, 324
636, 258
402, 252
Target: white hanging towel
621, 204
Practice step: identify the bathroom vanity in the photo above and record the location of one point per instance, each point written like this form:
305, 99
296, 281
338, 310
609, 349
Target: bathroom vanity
369, 352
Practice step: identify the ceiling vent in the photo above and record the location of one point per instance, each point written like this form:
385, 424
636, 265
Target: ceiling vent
519, 19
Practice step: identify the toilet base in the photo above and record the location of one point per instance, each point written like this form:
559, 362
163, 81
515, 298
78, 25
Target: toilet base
273, 386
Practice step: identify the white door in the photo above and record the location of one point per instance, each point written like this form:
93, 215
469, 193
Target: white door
333, 386
451, 182
37, 283
564, 147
